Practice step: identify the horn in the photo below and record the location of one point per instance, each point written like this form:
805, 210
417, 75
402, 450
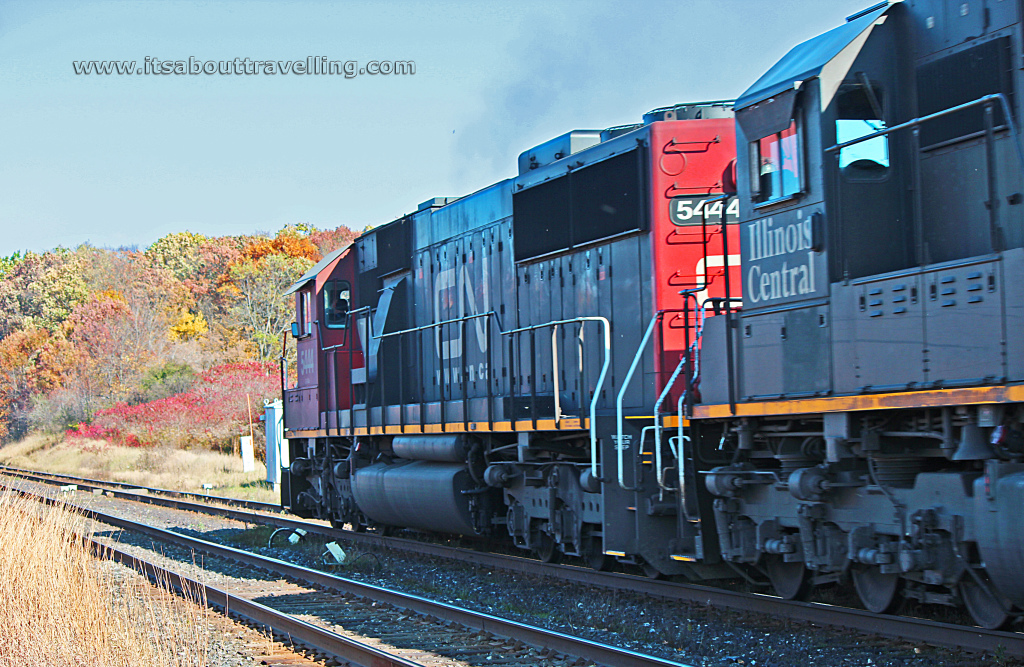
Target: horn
973, 445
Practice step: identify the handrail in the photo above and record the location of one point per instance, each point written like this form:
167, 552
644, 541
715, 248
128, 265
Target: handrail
456, 320
619, 446
693, 355
985, 99
657, 421
681, 454
554, 374
600, 379
995, 230
606, 325
619, 418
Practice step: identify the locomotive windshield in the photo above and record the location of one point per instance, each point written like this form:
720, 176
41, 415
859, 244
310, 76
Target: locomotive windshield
336, 302
778, 158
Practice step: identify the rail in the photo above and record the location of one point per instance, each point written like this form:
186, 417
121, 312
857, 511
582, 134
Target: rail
349, 649
134, 490
912, 629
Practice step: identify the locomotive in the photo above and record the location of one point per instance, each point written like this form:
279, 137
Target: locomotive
467, 368
777, 339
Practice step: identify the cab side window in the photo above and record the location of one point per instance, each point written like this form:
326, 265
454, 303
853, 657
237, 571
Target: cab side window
337, 295
776, 165
860, 113
303, 324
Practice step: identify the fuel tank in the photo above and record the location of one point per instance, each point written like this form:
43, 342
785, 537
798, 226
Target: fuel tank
451, 448
416, 494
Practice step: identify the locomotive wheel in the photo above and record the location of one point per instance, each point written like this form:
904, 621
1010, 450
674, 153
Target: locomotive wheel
651, 571
547, 549
987, 611
593, 554
791, 581
877, 592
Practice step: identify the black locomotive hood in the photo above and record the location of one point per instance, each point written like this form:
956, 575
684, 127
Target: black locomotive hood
827, 55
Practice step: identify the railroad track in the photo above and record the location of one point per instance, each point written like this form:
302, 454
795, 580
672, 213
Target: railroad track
906, 628
99, 483
361, 623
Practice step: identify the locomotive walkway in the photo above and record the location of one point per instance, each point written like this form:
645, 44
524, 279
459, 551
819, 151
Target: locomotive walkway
906, 628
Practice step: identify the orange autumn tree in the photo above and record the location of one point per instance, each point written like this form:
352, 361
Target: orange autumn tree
33, 362
255, 285
85, 329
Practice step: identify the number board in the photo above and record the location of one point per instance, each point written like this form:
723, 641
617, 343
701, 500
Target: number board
692, 210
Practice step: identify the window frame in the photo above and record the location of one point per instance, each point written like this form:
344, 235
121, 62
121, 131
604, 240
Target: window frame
796, 123
340, 286
303, 314
847, 175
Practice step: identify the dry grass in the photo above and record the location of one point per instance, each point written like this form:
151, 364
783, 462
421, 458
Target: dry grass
60, 606
162, 467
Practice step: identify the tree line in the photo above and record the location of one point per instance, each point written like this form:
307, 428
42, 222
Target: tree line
112, 343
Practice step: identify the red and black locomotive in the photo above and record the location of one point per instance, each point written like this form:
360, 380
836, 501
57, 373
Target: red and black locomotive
780, 337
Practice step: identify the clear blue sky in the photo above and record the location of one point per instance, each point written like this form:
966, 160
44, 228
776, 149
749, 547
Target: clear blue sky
123, 160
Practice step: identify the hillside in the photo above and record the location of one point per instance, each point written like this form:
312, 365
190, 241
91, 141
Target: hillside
169, 345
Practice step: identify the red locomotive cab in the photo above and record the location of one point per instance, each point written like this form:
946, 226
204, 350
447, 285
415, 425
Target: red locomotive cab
694, 230
326, 347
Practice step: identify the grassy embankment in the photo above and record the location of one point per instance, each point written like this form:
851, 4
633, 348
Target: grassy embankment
166, 468
61, 606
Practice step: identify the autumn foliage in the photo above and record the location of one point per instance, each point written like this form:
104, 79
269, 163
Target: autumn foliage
210, 414
161, 346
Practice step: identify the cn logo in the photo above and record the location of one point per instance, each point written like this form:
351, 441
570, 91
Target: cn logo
455, 297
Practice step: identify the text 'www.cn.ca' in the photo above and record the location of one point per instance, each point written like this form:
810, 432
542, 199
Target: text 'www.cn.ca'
312, 65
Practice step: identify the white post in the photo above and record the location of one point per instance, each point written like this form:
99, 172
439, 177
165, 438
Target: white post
248, 454
277, 446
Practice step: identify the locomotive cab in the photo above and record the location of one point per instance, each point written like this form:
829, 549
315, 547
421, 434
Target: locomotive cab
326, 355
869, 382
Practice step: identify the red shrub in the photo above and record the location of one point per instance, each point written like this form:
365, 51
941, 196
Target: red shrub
211, 414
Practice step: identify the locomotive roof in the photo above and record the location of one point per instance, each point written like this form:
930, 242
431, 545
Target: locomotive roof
327, 261
809, 59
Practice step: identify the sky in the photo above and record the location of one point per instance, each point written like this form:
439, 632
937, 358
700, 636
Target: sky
122, 160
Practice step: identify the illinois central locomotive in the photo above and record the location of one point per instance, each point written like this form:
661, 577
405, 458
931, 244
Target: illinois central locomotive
780, 338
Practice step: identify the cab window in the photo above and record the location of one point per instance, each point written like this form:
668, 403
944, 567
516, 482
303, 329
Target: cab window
860, 114
337, 294
777, 169
303, 324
